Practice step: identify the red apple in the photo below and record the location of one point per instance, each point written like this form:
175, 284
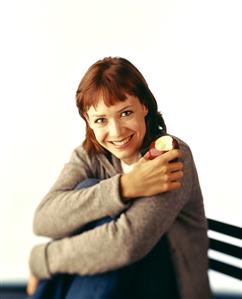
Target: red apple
162, 145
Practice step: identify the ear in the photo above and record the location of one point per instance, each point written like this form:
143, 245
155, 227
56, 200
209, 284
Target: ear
145, 110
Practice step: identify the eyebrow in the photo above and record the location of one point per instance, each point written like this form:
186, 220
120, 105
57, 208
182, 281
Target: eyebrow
122, 109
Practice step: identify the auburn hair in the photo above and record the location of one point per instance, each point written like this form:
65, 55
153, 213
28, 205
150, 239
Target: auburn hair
111, 79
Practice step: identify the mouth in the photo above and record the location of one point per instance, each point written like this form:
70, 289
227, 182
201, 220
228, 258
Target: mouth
123, 142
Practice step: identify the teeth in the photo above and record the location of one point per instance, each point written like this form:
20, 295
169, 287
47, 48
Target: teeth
122, 141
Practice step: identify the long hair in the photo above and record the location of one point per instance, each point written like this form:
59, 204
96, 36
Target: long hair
111, 79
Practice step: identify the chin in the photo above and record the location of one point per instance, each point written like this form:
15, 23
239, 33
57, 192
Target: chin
128, 159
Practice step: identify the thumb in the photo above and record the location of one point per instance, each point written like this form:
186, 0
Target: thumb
145, 157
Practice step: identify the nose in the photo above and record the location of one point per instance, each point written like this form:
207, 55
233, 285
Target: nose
115, 129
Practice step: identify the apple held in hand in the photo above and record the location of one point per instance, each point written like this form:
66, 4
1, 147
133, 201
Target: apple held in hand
162, 145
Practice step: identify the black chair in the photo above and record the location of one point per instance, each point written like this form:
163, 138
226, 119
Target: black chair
13, 291
228, 249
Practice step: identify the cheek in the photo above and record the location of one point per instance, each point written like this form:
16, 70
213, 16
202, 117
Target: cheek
139, 125
99, 134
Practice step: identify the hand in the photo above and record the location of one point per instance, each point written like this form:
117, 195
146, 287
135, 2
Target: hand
151, 177
32, 285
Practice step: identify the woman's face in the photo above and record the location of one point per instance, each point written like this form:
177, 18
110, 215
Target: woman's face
119, 128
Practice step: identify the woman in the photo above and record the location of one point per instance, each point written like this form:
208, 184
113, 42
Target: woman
139, 229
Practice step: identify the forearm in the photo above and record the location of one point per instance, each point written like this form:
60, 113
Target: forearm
61, 213
108, 247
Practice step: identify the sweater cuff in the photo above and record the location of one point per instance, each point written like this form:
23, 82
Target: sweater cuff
38, 261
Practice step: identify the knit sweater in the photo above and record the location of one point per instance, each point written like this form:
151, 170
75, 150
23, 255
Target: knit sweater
136, 229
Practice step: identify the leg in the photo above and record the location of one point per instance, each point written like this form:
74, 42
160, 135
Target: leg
100, 286
85, 184
152, 277
54, 288
64, 286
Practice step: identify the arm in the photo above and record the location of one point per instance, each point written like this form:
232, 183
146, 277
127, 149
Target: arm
120, 242
64, 210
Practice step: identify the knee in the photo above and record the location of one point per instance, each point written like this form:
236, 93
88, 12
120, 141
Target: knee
87, 183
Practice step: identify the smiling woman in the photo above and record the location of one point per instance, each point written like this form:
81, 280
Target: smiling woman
121, 224
111, 81
122, 129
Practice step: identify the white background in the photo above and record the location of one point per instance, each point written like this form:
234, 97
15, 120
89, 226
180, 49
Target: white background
188, 51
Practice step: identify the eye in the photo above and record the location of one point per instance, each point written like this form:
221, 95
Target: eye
126, 113
100, 120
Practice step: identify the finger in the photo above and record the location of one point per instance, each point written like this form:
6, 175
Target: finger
173, 154
145, 157
175, 185
32, 285
169, 156
175, 176
29, 290
172, 186
176, 166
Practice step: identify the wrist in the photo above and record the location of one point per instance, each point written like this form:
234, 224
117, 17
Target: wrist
38, 261
126, 188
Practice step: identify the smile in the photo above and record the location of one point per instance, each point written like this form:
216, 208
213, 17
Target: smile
122, 142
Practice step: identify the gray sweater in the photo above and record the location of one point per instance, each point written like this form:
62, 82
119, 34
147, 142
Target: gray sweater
128, 238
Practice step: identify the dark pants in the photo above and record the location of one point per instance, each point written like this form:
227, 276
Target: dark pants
151, 278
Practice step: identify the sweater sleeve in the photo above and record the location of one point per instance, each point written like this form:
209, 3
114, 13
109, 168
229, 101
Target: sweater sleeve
65, 210
120, 242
